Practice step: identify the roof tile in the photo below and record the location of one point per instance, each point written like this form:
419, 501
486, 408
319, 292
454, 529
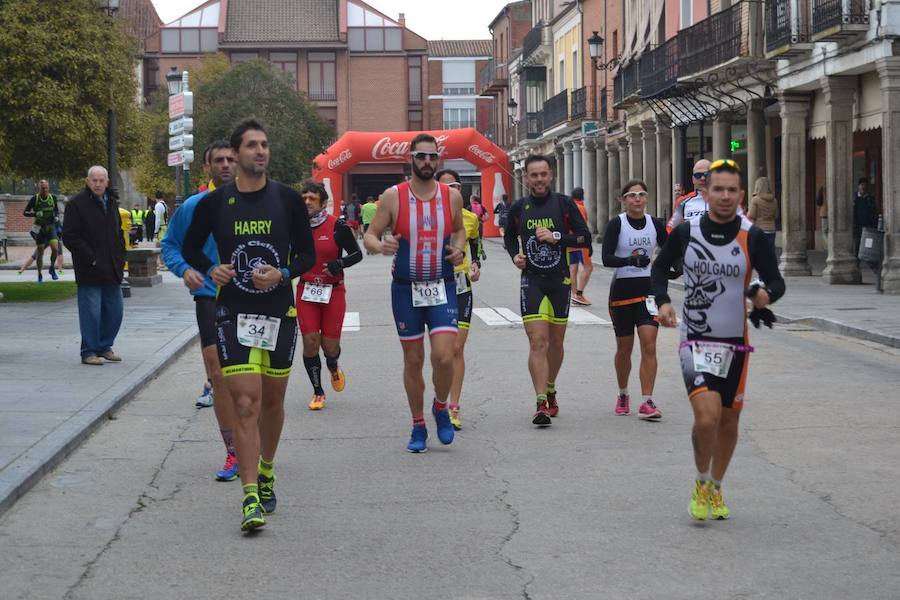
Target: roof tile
449, 48
281, 21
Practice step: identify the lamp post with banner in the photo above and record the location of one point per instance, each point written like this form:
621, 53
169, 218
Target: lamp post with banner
181, 127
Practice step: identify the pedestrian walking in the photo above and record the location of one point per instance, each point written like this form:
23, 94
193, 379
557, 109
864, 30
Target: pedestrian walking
93, 233
764, 209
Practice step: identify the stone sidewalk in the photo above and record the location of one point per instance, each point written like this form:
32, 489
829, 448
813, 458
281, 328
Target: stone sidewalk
50, 401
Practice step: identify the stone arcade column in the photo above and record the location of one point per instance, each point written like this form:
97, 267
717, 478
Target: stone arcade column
677, 160
577, 165
588, 181
664, 179
624, 171
841, 265
721, 136
794, 109
569, 168
517, 185
889, 71
649, 152
602, 205
756, 144
615, 178
560, 181
635, 153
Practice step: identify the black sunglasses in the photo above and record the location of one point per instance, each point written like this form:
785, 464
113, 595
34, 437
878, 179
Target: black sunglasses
701, 174
432, 156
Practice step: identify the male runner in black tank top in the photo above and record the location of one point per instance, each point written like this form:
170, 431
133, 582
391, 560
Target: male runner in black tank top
719, 250
541, 227
262, 232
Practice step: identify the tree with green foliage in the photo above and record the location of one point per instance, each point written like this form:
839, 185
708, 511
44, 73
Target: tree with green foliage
224, 95
63, 66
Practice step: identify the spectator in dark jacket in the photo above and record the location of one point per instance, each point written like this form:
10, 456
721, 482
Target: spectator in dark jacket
92, 231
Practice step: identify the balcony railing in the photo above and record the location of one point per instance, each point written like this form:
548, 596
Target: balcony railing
533, 40
580, 103
835, 13
531, 126
556, 109
786, 24
491, 78
603, 102
713, 41
632, 78
322, 95
619, 88
659, 69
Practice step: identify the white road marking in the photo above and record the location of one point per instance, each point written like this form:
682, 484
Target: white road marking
580, 316
351, 322
492, 318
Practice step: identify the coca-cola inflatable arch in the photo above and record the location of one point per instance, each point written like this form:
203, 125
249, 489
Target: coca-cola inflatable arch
355, 147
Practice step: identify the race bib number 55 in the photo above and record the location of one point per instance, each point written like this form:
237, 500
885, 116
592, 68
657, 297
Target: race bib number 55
429, 293
257, 331
712, 358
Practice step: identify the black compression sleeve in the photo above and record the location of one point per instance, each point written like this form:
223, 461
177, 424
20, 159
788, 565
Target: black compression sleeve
671, 252
29, 208
661, 234
303, 249
475, 251
610, 242
343, 235
581, 235
766, 264
201, 226
511, 234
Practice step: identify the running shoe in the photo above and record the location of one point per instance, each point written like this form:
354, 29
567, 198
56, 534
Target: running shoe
229, 470
417, 440
584, 300
317, 402
623, 404
542, 415
40, 278
700, 507
444, 426
649, 412
53, 274
206, 397
454, 417
252, 513
338, 381
266, 493
719, 510
552, 406
577, 300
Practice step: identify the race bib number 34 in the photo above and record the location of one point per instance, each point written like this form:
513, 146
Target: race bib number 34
257, 331
712, 358
429, 293
317, 292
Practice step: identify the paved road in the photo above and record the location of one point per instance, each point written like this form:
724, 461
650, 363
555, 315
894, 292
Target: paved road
595, 506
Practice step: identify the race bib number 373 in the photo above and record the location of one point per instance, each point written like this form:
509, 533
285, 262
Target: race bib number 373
257, 331
429, 293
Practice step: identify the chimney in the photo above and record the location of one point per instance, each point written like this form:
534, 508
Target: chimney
402, 20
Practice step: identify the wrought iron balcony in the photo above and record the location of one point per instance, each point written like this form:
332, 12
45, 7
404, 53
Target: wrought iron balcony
618, 88
715, 41
492, 78
580, 103
603, 103
556, 109
834, 20
531, 126
787, 29
534, 39
627, 83
659, 69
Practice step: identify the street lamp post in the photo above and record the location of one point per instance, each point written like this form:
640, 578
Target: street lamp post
512, 110
595, 46
110, 7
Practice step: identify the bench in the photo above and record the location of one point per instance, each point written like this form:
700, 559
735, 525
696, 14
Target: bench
142, 267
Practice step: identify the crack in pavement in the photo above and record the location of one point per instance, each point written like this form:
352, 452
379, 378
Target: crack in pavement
144, 500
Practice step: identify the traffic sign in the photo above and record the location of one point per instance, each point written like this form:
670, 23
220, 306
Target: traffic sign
180, 157
181, 125
179, 142
181, 105
590, 129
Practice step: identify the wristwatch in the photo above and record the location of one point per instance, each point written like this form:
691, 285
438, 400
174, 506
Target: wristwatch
557, 236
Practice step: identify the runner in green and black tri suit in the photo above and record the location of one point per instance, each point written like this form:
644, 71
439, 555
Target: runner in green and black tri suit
541, 227
262, 232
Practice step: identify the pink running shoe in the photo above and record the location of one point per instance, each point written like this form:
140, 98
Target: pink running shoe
623, 406
649, 411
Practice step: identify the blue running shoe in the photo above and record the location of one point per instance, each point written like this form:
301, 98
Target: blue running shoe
417, 440
40, 278
206, 398
229, 471
444, 426
53, 274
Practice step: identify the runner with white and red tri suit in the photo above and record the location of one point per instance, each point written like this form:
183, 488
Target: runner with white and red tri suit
427, 242
321, 295
628, 245
719, 251
694, 204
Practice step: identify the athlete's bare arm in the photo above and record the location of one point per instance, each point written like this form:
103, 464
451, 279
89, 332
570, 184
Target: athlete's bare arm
456, 252
384, 217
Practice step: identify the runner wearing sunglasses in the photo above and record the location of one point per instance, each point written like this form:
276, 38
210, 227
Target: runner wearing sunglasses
719, 250
694, 204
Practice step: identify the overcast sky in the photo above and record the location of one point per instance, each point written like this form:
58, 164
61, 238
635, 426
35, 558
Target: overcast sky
462, 19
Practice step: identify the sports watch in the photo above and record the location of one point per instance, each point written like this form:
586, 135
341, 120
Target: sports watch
557, 236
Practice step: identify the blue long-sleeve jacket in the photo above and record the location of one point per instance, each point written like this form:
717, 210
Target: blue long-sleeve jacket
171, 244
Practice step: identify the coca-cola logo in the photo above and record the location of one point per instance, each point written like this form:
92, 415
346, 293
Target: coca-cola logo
387, 149
343, 157
482, 154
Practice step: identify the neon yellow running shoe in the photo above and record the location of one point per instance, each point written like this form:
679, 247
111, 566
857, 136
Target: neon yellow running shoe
700, 505
717, 502
252, 513
454, 417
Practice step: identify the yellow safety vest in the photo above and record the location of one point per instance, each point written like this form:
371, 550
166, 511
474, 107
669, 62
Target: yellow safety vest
137, 216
